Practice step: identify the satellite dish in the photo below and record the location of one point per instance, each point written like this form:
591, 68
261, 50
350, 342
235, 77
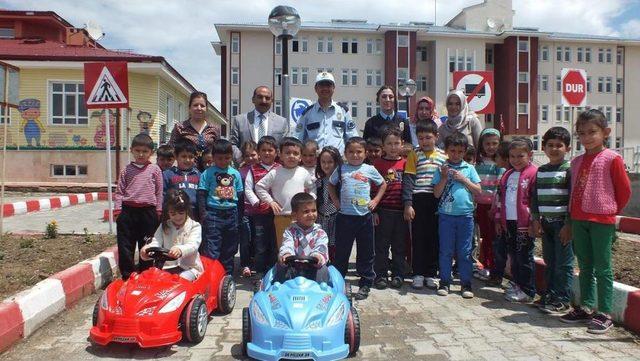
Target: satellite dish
491, 23
94, 30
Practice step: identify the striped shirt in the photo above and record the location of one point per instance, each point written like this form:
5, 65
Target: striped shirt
550, 198
424, 165
140, 187
490, 175
391, 170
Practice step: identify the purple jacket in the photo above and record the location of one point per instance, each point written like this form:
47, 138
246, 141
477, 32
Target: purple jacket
526, 184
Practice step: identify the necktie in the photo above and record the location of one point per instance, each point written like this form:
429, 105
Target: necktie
261, 127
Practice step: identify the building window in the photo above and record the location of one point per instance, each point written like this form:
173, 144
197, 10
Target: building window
544, 113
354, 77
544, 83
320, 44
461, 62
277, 76
619, 86
523, 77
544, 53
378, 77
469, 63
619, 56
345, 46
600, 84
168, 111
295, 45
559, 53
329, 44
567, 54
369, 77
304, 76
235, 76
567, 114
370, 46
7, 33
619, 143
402, 104
403, 41
67, 104
600, 55
235, 107
378, 46
299, 44
422, 83
421, 53
452, 63
403, 74
369, 109
558, 113
5, 115
278, 46
619, 115
354, 109
305, 44
587, 55
235, 43
580, 57
68, 170
536, 142
609, 56
354, 46
608, 114
278, 107
345, 76
488, 56
608, 84
294, 76
589, 84
523, 45
558, 83
523, 108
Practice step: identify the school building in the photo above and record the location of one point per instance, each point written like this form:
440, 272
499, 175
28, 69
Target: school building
526, 62
51, 136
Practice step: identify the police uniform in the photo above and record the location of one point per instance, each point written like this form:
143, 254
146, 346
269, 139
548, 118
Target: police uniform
332, 126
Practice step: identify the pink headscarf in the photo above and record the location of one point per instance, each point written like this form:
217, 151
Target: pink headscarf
434, 113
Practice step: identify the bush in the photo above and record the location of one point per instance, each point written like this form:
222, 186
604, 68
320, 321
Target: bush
26, 243
52, 230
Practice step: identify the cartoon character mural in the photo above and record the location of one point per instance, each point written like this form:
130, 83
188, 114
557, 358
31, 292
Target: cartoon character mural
100, 137
146, 121
30, 112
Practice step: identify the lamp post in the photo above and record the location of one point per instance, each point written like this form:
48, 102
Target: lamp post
407, 89
284, 23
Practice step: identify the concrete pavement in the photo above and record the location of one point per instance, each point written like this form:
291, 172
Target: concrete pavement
70, 219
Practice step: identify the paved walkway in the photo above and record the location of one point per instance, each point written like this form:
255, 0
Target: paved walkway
73, 219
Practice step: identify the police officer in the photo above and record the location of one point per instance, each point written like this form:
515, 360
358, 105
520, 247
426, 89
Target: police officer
325, 121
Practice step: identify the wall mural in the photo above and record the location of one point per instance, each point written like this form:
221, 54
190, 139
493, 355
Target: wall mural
31, 125
145, 119
100, 137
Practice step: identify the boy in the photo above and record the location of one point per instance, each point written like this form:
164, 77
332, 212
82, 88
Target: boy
421, 206
165, 157
550, 214
185, 175
455, 183
310, 156
304, 238
249, 150
354, 219
219, 192
278, 186
260, 213
373, 150
391, 229
138, 204
470, 155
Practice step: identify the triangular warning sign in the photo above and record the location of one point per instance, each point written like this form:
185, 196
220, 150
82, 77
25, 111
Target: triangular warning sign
106, 91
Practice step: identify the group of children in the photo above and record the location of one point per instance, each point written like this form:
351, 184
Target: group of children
292, 199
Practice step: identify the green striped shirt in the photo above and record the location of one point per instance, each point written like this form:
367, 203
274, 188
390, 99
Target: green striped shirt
550, 198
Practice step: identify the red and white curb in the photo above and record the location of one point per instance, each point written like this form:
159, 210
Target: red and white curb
26, 311
34, 205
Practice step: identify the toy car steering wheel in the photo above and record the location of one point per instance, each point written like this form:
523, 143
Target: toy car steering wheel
159, 254
301, 260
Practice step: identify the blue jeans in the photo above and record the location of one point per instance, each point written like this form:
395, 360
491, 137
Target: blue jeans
221, 236
501, 249
558, 258
523, 268
245, 242
264, 242
359, 228
455, 233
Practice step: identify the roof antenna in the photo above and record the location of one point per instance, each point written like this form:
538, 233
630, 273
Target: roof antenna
94, 30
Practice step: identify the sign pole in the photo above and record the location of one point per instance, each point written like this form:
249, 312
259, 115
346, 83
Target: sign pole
109, 182
571, 124
4, 145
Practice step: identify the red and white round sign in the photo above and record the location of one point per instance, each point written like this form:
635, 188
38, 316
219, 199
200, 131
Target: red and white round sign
574, 87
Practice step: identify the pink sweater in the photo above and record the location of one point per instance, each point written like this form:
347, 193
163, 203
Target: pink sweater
140, 187
526, 184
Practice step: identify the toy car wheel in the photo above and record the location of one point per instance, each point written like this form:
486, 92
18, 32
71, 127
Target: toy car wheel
348, 290
96, 310
352, 331
226, 295
246, 330
195, 317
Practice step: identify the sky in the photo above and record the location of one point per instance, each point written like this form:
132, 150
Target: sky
181, 30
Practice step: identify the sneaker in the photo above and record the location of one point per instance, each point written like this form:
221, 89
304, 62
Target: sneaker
443, 290
511, 290
246, 272
494, 281
467, 292
577, 315
418, 282
556, 308
397, 282
519, 297
381, 283
541, 302
431, 283
600, 323
509, 285
362, 293
482, 274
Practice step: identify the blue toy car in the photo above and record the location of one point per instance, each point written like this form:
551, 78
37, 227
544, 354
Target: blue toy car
301, 319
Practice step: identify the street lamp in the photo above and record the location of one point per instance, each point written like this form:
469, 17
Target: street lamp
407, 89
284, 23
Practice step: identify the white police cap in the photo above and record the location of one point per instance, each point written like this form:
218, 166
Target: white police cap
325, 76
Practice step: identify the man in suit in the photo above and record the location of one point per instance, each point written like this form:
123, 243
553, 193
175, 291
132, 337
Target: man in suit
257, 123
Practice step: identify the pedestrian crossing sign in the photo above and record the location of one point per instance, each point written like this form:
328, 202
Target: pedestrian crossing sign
106, 85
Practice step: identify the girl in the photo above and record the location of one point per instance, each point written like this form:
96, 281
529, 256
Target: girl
490, 175
328, 160
180, 234
501, 253
249, 157
600, 189
459, 119
310, 156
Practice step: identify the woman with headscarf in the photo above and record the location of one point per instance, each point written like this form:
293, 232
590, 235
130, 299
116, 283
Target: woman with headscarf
459, 119
425, 111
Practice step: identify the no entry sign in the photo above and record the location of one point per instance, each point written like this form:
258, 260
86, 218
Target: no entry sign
478, 87
574, 87
106, 85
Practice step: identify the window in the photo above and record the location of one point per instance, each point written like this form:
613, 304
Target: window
294, 76
345, 76
67, 104
461, 62
536, 142
488, 56
452, 63
544, 83
345, 46
600, 55
235, 107
558, 113
403, 74
567, 54
68, 170
369, 77
304, 75
329, 44
403, 41
544, 113
278, 45
378, 77
580, 57
619, 56
607, 114
587, 55
169, 111
567, 114
619, 143
608, 84
559, 53
320, 44
295, 45
523, 45
378, 46
7, 33
278, 107
277, 76
558, 83
422, 83
235, 76
600, 84
421, 53
609, 56
544, 53
589, 84
469, 63
402, 104
369, 109
5, 115
328, 70
354, 77
354, 46
235, 43
523, 108
305, 44
354, 109
619, 117
299, 45
523, 77
370, 46
619, 86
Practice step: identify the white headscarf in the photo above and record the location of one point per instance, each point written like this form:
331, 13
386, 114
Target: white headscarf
460, 121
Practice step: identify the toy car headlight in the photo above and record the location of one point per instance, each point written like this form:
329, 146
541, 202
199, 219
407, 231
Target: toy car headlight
337, 316
258, 315
174, 303
104, 302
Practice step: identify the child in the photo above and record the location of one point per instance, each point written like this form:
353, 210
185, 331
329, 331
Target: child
138, 204
455, 183
219, 192
249, 151
600, 189
490, 175
329, 160
470, 155
260, 213
310, 157
185, 175
278, 186
354, 220
550, 213
304, 238
165, 157
421, 206
501, 251
374, 150
207, 158
391, 228
516, 187
180, 234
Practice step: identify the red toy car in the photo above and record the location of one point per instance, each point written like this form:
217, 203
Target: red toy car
157, 308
